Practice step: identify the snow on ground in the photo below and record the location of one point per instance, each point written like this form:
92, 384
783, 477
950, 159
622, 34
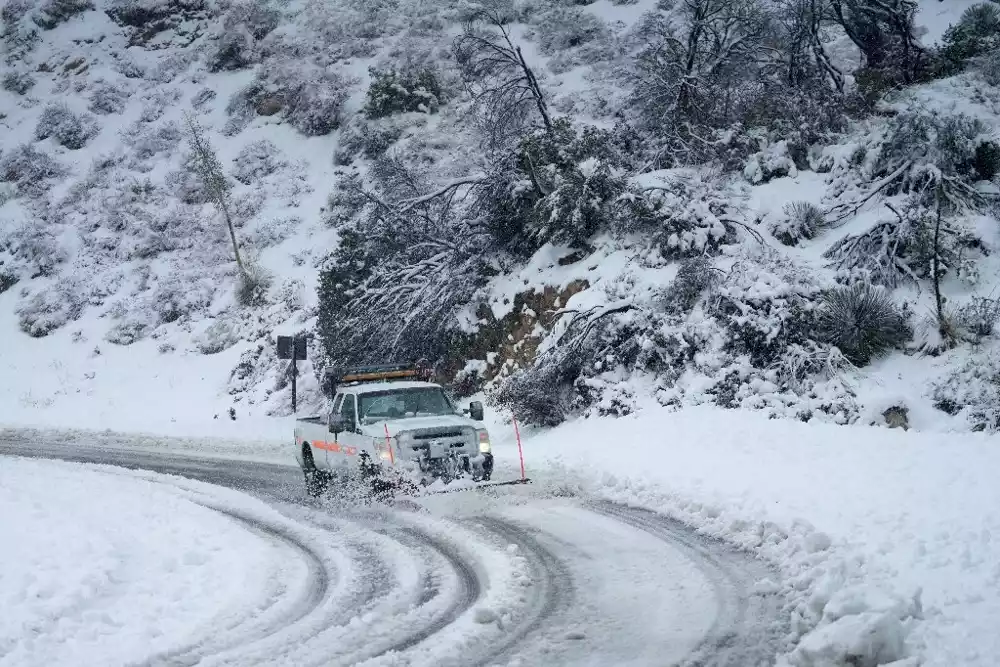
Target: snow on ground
103, 567
883, 535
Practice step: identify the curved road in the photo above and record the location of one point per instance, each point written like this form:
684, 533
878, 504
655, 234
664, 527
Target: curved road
512, 577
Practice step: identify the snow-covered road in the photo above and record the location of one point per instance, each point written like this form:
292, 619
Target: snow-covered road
167, 559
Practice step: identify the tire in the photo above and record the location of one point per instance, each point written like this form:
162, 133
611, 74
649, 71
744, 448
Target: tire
487, 467
317, 480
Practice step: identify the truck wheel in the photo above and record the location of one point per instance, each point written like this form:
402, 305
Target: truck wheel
316, 480
487, 467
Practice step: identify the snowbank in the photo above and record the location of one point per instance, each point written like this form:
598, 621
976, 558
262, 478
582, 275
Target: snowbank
104, 567
886, 539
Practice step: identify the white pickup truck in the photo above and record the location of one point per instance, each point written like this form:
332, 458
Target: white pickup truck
391, 417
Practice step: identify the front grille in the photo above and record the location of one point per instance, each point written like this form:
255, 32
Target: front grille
434, 435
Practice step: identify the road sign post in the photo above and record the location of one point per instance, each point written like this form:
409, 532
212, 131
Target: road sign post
293, 348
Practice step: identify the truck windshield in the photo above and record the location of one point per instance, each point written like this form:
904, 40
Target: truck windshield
403, 403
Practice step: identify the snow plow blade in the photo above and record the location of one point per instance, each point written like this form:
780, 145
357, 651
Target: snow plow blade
478, 485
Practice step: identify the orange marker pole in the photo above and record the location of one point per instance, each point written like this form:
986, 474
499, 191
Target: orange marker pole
520, 452
388, 443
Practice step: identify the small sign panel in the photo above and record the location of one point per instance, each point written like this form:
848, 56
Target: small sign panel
288, 344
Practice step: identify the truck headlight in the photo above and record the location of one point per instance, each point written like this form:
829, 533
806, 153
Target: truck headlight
484, 441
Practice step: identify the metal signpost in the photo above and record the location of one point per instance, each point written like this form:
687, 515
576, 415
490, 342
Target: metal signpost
294, 348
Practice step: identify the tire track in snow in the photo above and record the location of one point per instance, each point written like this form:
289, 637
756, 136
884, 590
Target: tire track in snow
248, 629
747, 631
551, 587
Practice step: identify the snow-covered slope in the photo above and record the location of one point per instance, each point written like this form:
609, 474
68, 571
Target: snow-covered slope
124, 312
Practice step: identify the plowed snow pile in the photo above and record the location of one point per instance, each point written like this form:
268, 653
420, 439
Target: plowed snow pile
887, 540
104, 568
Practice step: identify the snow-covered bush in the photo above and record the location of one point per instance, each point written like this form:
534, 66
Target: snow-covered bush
180, 295
68, 128
148, 141
922, 149
543, 394
765, 312
127, 331
35, 248
7, 280
562, 185
977, 319
394, 91
564, 28
972, 392
170, 66
976, 33
29, 169
147, 18
371, 140
203, 97
256, 160
772, 162
802, 220
862, 321
109, 98
156, 103
218, 337
988, 67
902, 249
346, 200
47, 310
687, 213
273, 231
252, 284
243, 26
694, 276
54, 12
309, 97
18, 83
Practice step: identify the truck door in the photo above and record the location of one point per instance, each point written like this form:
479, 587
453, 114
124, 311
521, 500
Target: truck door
334, 410
345, 451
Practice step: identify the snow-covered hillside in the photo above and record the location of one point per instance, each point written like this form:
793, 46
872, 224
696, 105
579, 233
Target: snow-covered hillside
118, 283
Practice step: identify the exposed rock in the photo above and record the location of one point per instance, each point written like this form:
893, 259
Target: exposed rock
897, 417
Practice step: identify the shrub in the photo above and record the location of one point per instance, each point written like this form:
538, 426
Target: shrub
7, 280
69, 129
371, 140
694, 276
565, 28
29, 169
688, 214
252, 285
765, 313
392, 92
309, 97
543, 394
219, 336
257, 159
862, 322
977, 319
971, 392
802, 221
50, 309
989, 67
18, 83
107, 98
977, 32
54, 12
346, 200
148, 141
559, 186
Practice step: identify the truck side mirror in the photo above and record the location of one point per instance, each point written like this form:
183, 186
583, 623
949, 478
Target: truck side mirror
337, 424
476, 411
